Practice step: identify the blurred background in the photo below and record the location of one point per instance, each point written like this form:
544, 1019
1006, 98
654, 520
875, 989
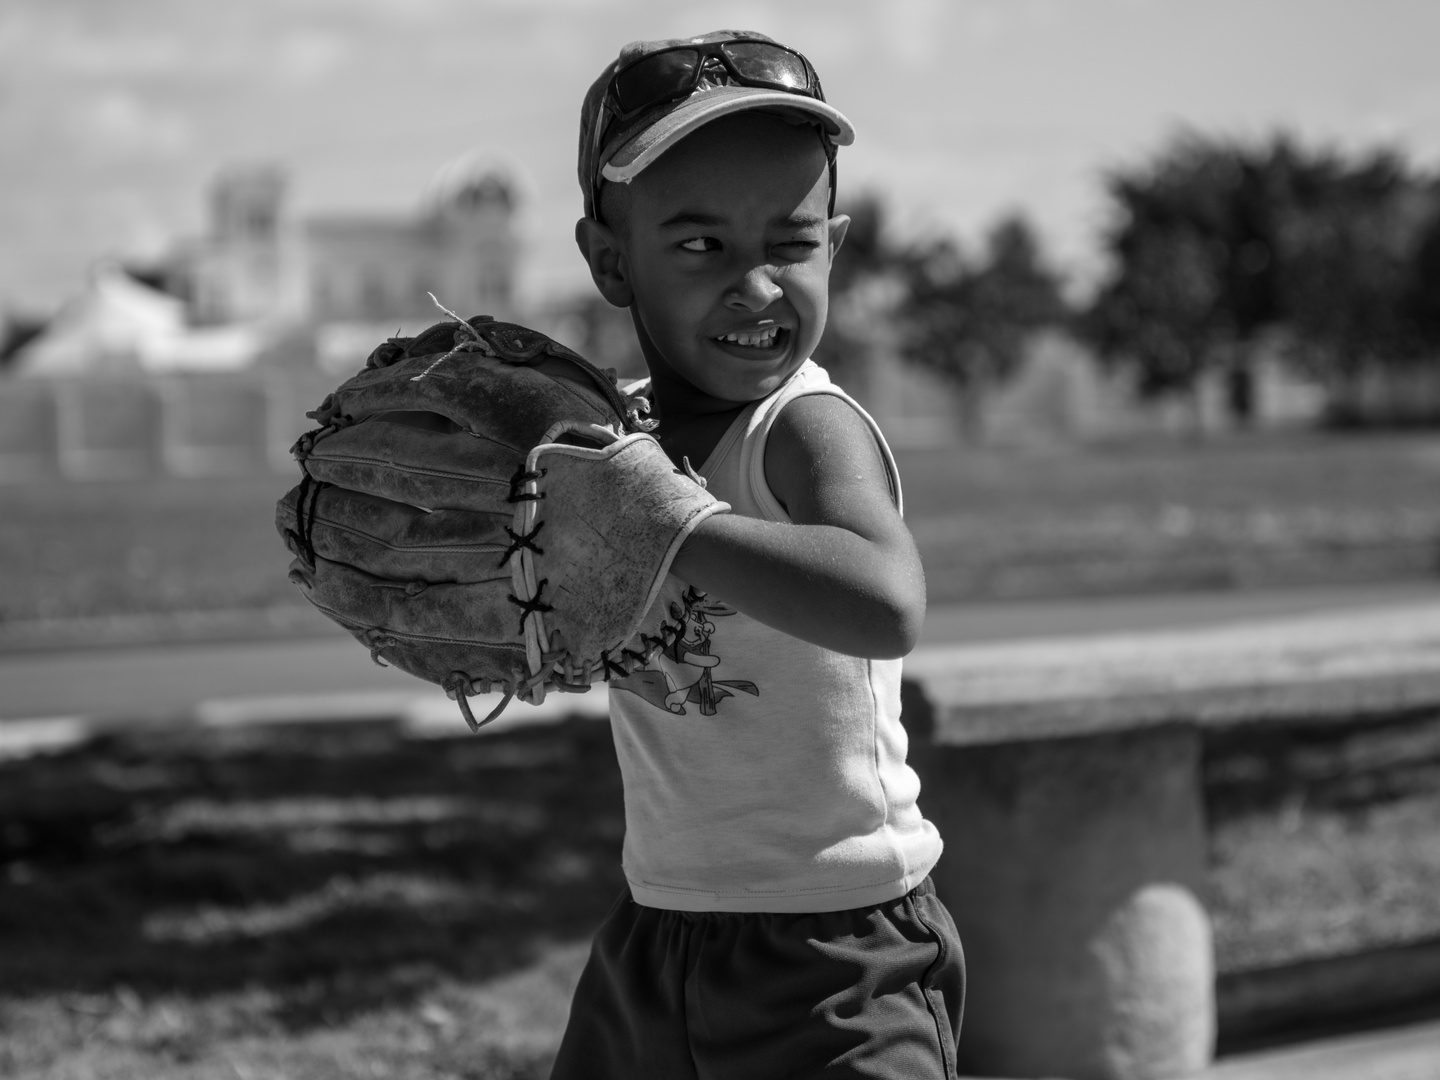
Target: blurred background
1145, 295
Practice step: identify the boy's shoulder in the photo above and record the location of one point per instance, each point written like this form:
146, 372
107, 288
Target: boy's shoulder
818, 440
822, 446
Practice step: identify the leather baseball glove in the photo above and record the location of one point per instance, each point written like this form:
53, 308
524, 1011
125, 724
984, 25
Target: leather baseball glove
483, 508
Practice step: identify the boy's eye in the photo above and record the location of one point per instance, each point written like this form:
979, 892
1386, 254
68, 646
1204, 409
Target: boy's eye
700, 243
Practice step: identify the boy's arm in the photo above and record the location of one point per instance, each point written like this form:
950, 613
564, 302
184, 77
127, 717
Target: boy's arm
846, 574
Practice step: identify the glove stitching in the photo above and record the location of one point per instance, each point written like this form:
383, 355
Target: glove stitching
458, 683
305, 523
460, 548
411, 470
610, 667
412, 588
521, 540
376, 639
429, 639
523, 477
533, 605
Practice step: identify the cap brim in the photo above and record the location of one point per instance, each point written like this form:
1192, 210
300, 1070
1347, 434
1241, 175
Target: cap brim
638, 153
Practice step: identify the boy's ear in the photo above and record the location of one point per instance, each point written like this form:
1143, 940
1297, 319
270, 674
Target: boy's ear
606, 259
839, 226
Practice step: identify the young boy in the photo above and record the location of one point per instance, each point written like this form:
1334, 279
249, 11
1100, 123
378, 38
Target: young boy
779, 920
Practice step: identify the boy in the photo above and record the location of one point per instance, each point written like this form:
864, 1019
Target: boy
779, 920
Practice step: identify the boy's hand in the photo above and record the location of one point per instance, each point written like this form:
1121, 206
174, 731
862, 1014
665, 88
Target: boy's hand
845, 574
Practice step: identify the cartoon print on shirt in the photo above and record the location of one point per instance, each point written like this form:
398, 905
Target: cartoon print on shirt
689, 675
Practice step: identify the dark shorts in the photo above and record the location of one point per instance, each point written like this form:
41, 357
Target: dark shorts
870, 992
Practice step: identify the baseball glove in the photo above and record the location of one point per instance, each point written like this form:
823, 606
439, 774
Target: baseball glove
483, 508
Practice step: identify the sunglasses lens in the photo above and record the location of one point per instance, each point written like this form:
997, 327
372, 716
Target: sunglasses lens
656, 78
769, 65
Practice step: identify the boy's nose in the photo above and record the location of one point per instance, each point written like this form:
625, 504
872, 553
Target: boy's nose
755, 291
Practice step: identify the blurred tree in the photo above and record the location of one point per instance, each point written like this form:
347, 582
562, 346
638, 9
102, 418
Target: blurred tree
1341, 286
1355, 263
1163, 312
1216, 240
1422, 300
1193, 267
865, 282
867, 250
970, 321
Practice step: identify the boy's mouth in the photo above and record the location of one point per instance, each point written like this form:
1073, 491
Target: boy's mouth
760, 340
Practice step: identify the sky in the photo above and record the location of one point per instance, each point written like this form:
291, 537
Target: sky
115, 115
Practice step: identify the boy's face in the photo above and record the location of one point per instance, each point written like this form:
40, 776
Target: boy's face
727, 251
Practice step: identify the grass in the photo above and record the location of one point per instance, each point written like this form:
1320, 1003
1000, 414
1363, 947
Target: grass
88, 549
347, 900
1325, 839
1233, 513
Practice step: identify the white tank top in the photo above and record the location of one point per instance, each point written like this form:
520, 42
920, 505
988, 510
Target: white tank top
763, 773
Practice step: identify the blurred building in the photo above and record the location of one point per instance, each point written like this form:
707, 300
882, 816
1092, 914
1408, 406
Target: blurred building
203, 362
260, 263
267, 286
121, 325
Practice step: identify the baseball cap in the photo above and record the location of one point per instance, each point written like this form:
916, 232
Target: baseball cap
727, 71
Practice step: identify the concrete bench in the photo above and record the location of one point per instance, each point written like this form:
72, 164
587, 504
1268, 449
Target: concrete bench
1065, 778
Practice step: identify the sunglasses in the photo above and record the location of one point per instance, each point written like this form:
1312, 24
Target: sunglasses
675, 72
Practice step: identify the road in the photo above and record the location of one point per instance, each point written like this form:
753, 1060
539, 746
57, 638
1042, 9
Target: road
330, 673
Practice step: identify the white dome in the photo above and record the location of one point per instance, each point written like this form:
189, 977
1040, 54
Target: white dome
475, 179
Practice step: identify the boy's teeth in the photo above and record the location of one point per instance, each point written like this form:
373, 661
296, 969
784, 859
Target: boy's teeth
762, 338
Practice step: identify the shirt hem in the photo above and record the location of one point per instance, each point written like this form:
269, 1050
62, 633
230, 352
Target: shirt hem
780, 901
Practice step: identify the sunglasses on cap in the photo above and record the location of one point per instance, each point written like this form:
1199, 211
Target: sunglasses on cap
675, 72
